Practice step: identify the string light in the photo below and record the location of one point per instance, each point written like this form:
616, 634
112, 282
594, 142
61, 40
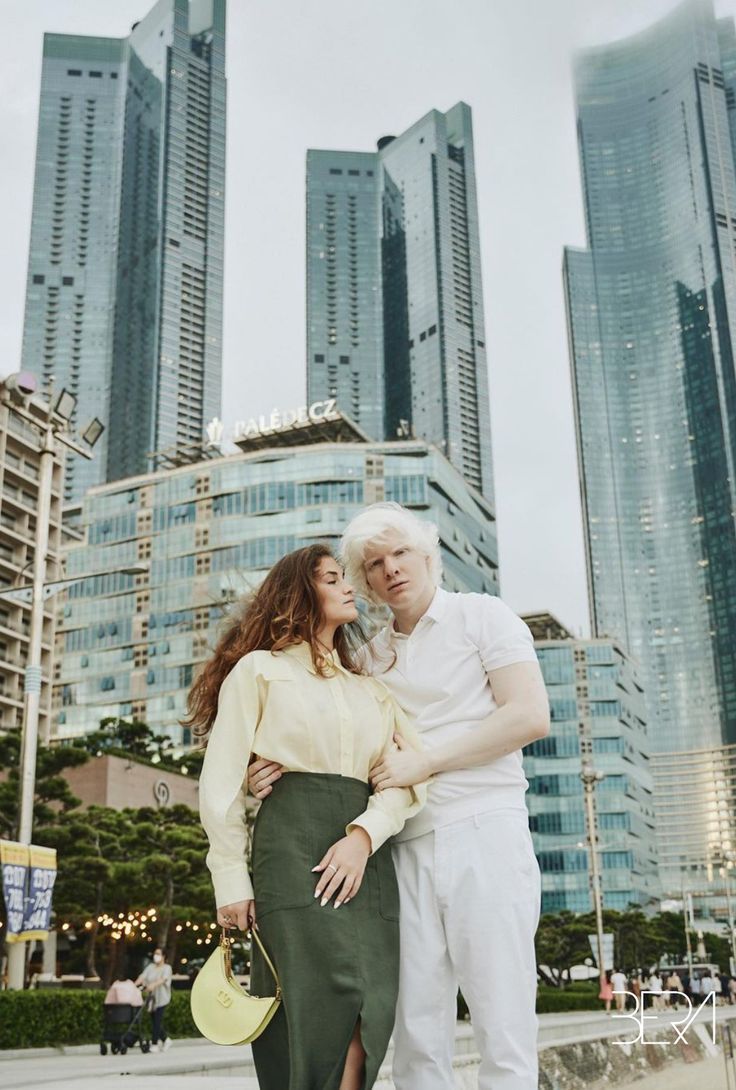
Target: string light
133, 926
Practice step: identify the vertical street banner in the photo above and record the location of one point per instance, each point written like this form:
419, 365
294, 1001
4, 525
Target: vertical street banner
29, 873
15, 860
41, 878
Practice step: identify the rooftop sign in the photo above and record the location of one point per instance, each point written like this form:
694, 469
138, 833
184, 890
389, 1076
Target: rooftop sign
276, 423
320, 421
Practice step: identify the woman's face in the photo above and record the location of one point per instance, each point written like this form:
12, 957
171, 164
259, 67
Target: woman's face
335, 594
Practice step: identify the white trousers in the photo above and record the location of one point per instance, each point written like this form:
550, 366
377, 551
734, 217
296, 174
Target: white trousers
470, 895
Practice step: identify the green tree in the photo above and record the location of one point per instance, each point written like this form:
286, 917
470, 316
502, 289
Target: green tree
561, 941
169, 848
130, 738
88, 850
52, 792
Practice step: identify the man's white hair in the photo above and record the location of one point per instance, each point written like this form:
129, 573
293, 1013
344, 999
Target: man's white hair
374, 526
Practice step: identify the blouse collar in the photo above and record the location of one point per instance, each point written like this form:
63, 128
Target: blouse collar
303, 653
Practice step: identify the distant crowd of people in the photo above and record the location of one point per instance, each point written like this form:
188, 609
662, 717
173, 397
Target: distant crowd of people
618, 987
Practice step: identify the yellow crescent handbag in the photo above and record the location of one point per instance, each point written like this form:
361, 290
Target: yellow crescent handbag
222, 1010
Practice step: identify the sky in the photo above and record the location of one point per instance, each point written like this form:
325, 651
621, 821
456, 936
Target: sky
340, 74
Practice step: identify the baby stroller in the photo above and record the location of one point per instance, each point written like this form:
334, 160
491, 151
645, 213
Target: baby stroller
121, 1028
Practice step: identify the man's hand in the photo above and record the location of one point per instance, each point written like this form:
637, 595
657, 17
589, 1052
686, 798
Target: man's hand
241, 914
401, 768
343, 865
261, 775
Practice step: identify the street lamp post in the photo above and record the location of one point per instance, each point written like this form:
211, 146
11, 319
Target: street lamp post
590, 778
729, 858
687, 919
53, 426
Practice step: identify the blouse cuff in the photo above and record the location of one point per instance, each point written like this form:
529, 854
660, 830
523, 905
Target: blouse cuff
378, 826
232, 885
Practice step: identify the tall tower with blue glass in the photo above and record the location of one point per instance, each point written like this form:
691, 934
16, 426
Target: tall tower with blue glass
395, 327
652, 318
124, 295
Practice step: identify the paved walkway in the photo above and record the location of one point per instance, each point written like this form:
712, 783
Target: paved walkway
704, 1075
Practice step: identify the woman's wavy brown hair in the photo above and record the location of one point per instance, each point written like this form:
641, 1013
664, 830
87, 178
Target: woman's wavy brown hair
284, 610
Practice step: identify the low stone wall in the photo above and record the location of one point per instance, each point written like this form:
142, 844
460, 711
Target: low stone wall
593, 1065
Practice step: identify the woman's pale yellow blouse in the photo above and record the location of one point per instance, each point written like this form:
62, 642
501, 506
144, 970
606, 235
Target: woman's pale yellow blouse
277, 706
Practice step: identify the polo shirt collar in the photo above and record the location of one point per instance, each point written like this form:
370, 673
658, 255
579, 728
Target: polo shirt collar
434, 612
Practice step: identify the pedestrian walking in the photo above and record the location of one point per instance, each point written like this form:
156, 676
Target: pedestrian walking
620, 986
606, 991
156, 979
464, 666
673, 985
656, 988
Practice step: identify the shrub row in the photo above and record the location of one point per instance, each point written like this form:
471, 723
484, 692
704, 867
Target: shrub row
33, 1019
36, 1019
572, 998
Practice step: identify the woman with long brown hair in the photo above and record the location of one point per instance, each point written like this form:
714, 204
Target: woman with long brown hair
284, 681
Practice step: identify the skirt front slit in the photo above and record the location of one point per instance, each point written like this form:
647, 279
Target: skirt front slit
336, 966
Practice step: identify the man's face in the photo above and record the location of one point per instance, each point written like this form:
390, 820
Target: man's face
396, 572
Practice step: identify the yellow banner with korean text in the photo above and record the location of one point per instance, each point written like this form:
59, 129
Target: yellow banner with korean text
28, 874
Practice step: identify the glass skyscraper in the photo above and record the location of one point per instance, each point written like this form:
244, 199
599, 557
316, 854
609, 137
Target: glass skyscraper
652, 317
395, 327
124, 295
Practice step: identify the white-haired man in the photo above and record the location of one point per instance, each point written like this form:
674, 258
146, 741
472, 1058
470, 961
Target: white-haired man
464, 666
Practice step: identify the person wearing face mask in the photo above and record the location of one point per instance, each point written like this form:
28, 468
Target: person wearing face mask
156, 979
283, 680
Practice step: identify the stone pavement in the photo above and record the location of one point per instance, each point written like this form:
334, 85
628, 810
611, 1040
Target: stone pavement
205, 1066
706, 1075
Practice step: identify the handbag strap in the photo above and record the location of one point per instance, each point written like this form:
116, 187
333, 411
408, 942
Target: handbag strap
225, 944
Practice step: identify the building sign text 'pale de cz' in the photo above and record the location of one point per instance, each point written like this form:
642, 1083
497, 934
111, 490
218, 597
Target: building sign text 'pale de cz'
275, 423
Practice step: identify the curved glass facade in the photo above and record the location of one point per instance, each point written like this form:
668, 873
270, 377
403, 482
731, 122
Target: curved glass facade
652, 315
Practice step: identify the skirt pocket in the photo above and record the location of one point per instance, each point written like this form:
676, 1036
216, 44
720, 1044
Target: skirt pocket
282, 863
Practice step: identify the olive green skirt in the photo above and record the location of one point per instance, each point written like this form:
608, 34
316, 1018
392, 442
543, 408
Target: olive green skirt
336, 966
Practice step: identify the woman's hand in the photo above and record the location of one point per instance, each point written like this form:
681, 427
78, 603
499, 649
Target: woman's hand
261, 775
402, 767
241, 914
343, 867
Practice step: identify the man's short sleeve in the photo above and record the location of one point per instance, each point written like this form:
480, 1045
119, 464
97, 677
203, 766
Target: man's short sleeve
502, 638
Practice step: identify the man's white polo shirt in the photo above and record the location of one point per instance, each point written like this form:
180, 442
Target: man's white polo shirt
440, 676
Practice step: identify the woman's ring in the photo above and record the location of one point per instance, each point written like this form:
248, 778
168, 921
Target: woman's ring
226, 919
331, 866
